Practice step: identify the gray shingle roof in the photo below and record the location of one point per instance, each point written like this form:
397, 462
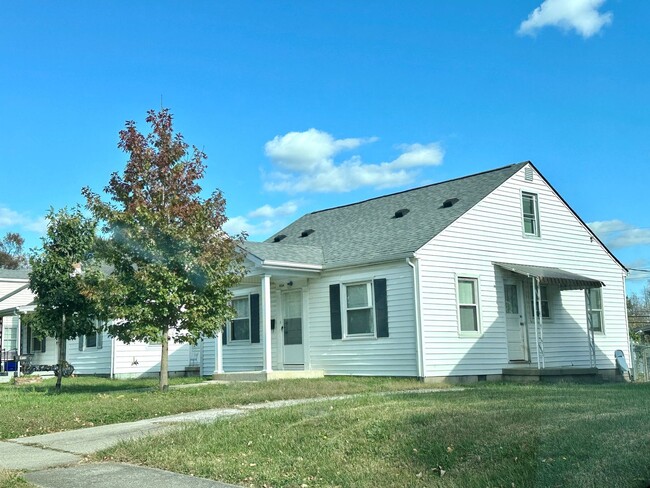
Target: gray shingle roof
271, 251
367, 231
22, 273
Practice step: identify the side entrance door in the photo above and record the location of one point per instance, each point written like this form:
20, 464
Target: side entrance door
294, 353
515, 323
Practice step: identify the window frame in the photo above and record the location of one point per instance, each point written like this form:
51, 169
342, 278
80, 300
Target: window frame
231, 328
94, 346
345, 309
546, 292
535, 217
600, 311
476, 305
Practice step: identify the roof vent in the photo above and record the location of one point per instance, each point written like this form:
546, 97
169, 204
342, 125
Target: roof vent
401, 213
449, 202
307, 232
279, 237
528, 173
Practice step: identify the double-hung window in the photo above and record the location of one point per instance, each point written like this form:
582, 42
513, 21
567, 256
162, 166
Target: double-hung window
240, 326
359, 314
530, 214
543, 297
468, 304
91, 340
594, 298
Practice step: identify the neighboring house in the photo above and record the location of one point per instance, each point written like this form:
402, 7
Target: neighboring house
473, 278
96, 354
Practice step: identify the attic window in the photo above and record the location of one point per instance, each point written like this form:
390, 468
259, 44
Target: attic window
279, 237
307, 232
449, 202
401, 213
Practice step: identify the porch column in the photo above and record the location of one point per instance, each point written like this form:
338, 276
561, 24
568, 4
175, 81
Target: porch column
19, 348
266, 321
218, 351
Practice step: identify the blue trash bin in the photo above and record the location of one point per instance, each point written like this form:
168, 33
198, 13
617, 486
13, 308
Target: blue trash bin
11, 366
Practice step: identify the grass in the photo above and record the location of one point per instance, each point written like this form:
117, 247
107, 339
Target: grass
35, 409
12, 479
485, 436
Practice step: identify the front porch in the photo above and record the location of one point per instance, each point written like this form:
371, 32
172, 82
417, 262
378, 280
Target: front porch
268, 339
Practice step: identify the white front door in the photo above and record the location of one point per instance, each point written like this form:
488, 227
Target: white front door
294, 354
515, 322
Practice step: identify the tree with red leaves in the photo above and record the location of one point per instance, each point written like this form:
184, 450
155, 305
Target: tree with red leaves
173, 264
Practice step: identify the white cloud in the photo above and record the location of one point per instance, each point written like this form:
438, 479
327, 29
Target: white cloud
618, 234
10, 217
606, 226
271, 220
581, 15
271, 212
16, 221
306, 163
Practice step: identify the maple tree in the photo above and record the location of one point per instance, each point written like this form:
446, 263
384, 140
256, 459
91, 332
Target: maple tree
63, 308
11, 251
172, 263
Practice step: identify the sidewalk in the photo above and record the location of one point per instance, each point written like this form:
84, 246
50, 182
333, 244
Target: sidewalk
53, 460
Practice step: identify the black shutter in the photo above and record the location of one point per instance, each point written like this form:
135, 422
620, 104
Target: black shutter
381, 307
255, 318
335, 311
43, 342
224, 333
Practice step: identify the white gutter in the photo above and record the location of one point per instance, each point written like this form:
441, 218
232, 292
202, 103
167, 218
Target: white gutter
415, 264
289, 265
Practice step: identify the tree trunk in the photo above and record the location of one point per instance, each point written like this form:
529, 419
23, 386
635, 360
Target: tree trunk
164, 360
61, 347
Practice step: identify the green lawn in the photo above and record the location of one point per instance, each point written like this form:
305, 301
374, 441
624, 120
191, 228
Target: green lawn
12, 479
492, 435
35, 409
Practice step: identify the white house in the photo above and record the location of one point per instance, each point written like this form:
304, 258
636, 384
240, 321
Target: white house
96, 354
483, 277
479, 277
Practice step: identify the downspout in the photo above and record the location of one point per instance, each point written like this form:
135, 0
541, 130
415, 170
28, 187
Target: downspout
415, 264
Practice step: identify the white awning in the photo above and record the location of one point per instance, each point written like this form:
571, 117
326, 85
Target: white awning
553, 276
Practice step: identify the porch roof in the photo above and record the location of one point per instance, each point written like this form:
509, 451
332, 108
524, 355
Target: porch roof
289, 253
553, 276
30, 307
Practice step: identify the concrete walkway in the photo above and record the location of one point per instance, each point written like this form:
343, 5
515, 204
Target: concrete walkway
53, 460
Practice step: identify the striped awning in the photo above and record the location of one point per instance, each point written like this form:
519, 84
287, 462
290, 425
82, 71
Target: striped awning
553, 276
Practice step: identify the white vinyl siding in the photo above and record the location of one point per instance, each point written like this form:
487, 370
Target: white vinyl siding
395, 355
491, 232
243, 355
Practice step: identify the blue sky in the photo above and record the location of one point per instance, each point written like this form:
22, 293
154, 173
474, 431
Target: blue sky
307, 105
